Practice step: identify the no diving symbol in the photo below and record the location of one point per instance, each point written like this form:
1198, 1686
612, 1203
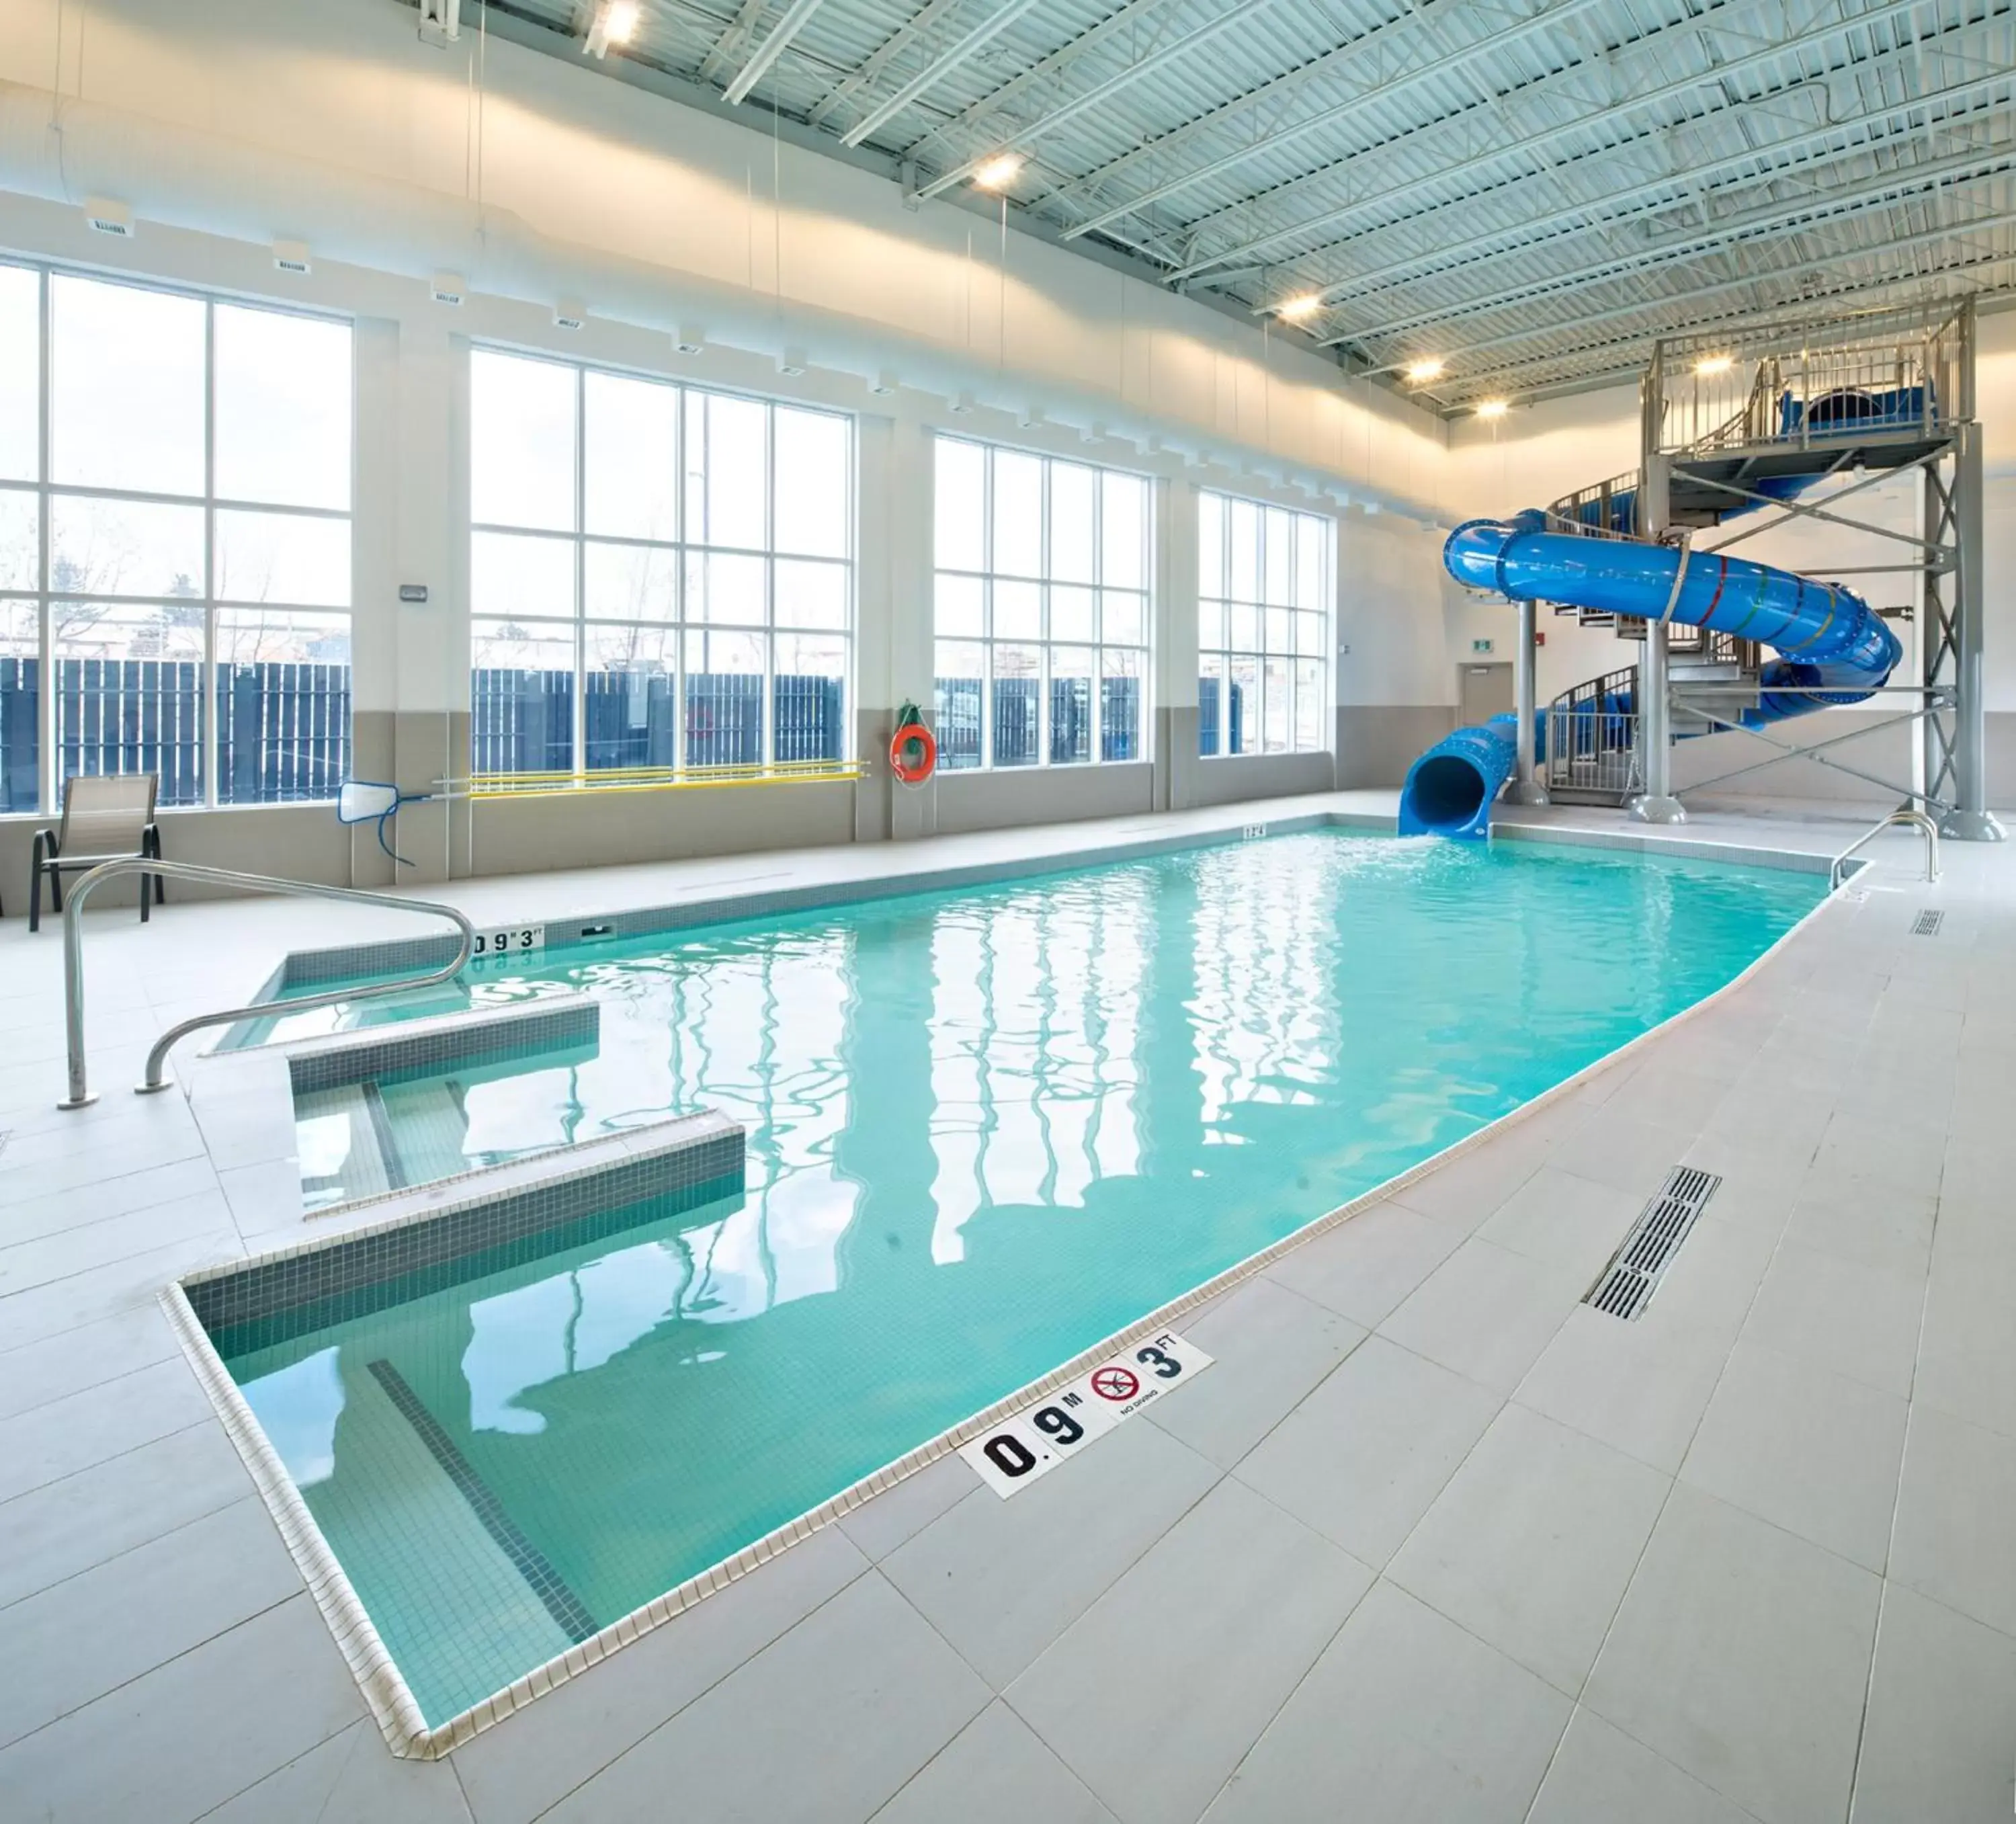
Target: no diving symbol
1115, 1384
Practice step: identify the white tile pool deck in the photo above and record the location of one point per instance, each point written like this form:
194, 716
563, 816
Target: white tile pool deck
1431, 1541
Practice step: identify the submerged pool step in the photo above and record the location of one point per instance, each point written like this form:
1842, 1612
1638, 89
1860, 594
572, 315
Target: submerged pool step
530, 1563
345, 1146
426, 1128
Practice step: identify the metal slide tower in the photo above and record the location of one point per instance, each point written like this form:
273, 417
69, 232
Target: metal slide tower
1744, 431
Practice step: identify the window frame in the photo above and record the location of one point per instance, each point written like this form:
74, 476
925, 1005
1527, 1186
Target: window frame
1261, 651
988, 576
43, 599
680, 551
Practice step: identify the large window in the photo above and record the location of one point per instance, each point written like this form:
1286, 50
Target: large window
1042, 609
660, 579
174, 543
1263, 634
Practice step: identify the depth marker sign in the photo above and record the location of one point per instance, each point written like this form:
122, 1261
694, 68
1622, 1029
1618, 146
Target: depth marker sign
1033, 1442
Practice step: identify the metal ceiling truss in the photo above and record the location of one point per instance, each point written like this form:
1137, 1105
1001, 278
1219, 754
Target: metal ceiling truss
1532, 152
1397, 65
1619, 357
988, 126
1730, 240
1678, 182
1529, 190
1500, 243
999, 15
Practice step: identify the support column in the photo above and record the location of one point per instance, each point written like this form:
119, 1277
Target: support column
1655, 739
1656, 804
912, 810
1174, 684
1525, 788
1969, 821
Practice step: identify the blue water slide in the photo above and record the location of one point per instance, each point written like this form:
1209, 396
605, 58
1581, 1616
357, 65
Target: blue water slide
1835, 649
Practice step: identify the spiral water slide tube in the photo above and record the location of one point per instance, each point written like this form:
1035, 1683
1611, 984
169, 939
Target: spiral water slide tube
1834, 648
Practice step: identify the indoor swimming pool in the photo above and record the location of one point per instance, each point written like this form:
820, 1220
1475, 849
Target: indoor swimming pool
986, 1128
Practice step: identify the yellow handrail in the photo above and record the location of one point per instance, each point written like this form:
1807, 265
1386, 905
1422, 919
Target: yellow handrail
662, 778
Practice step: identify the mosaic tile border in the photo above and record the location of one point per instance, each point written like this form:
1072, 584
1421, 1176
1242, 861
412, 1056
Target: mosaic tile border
392, 1703
322, 1281
481, 1036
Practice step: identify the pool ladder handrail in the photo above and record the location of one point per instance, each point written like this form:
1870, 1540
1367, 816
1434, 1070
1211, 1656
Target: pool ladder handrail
1905, 817
156, 1079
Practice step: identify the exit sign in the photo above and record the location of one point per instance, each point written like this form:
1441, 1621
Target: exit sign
1480, 646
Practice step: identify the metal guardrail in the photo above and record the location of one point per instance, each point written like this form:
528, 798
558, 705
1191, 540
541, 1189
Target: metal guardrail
1799, 383
1592, 737
1914, 819
155, 1078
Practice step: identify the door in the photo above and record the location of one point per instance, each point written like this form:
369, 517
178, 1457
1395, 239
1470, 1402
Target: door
1484, 690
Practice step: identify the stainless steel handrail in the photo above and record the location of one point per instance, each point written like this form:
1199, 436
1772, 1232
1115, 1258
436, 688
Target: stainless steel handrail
1914, 819
155, 1079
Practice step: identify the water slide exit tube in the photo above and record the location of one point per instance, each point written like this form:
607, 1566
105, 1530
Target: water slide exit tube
1834, 648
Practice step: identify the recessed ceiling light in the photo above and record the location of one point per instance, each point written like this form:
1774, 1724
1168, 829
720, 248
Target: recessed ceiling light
1294, 309
614, 23
1428, 367
1492, 409
1713, 364
999, 171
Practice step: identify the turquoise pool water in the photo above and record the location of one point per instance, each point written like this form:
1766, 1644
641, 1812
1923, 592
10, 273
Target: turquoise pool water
987, 1128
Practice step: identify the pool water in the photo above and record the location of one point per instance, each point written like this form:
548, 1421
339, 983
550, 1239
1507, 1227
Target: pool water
987, 1128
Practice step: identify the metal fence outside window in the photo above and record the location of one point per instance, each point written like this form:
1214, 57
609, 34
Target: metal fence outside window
1017, 739
522, 721
283, 729
1208, 694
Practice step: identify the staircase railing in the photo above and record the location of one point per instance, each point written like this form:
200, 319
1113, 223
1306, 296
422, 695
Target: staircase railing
1593, 512
1593, 736
155, 1078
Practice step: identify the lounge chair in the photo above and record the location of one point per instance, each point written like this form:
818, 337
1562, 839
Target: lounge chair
105, 817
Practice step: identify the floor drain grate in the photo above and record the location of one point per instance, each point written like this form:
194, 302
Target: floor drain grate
1929, 924
1625, 1288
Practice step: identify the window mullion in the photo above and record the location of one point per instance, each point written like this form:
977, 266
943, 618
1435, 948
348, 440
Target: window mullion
46, 786
680, 554
1044, 571
1095, 691
580, 730
767, 750
207, 696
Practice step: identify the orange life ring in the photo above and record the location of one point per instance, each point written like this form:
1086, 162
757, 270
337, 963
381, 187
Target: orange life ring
912, 772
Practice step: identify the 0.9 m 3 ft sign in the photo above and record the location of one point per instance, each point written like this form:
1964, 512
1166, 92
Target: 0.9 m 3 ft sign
1011, 1455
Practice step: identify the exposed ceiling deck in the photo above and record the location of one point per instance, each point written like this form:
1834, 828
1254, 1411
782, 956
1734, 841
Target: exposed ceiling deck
1528, 191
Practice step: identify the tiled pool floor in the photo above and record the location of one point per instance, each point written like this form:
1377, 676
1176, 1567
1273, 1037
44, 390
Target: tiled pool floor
1429, 1541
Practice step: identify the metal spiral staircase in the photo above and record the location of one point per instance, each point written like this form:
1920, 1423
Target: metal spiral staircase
1745, 423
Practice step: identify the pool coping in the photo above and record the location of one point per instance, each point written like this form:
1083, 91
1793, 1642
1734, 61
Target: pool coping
390, 1699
